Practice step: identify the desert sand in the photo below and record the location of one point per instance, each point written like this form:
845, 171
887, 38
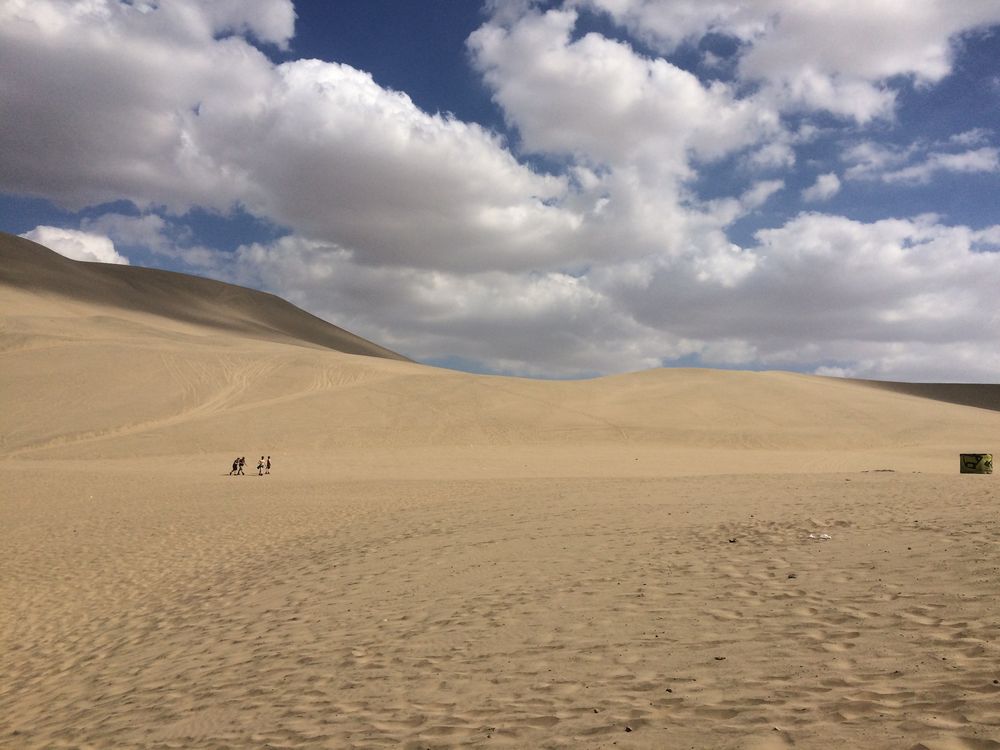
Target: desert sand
665, 559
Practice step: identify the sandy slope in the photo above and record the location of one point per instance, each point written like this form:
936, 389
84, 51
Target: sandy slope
441, 559
145, 292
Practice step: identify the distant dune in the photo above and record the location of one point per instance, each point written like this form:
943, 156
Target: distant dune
29, 266
119, 361
666, 558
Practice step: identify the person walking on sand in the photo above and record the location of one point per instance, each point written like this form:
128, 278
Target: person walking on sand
236, 466
260, 467
267, 466
243, 461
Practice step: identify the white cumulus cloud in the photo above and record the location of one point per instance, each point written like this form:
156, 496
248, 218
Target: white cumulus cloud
106, 100
76, 244
835, 57
918, 163
480, 316
978, 160
825, 187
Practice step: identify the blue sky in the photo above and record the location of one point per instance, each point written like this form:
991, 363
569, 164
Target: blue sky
556, 189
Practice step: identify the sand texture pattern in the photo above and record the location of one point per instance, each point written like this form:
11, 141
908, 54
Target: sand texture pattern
674, 558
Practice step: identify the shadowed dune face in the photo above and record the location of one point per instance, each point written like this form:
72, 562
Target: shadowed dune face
30, 267
966, 394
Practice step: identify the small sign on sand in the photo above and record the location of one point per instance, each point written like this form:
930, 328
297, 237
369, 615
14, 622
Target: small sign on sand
976, 463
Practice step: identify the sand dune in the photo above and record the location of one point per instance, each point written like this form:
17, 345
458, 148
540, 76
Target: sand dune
967, 394
441, 559
180, 298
